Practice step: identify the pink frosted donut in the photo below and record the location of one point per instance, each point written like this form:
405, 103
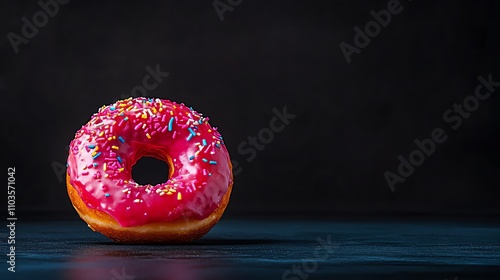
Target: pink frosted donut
105, 195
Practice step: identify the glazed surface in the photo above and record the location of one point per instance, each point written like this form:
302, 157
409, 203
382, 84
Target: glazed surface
104, 150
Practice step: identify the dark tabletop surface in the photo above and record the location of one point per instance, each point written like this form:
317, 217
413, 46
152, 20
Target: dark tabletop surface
266, 249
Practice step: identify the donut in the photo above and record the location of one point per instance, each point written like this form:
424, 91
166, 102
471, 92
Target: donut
182, 209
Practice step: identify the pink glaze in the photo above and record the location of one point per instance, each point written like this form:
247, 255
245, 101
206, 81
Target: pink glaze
104, 150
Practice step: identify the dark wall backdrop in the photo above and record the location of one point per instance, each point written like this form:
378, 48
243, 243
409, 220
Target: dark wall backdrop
352, 119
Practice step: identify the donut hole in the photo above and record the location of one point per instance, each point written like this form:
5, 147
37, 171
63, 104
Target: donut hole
150, 170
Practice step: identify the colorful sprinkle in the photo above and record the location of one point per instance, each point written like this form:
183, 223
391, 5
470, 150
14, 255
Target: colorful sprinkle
212, 162
190, 136
170, 123
121, 139
204, 142
96, 155
119, 159
91, 146
204, 160
191, 157
106, 195
191, 131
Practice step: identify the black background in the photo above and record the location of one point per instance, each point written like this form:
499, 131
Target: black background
353, 119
